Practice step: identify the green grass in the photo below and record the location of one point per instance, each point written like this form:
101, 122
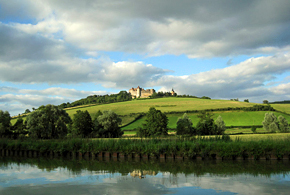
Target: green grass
257, 145
282, 107
231, 118
163, 104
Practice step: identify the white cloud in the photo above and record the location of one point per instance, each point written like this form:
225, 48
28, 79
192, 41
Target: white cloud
18, 100
282, 89
243, 80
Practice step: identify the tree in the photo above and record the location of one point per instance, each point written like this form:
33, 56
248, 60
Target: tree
155, 123
283, 124
5, 124
97, 127
254, 129
110, 121
221, 126
265, 102
184, 125
270, 122
27, 111
246, 100
19, 128
206, 125
48, 122
82, 125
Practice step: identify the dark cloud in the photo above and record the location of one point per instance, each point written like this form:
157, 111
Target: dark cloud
194, 28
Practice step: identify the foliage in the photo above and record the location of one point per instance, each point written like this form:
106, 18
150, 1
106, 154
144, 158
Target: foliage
109, 122
188, 147
48, 122
82, 124
283, 124
96, 125
19, 128
254, 129
5, 124
155, 123
246, 100
280, 102
100, 99
206, 125
27, 111
265, 102
184, 126
161, 94
270, 122
221, 126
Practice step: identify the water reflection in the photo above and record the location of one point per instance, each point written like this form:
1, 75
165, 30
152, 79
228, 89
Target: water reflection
66, 176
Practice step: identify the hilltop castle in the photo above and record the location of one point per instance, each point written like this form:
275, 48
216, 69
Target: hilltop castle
140, 92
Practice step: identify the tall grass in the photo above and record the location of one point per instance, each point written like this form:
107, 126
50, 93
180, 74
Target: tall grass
187, 147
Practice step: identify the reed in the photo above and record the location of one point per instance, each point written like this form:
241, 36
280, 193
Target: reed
186, 147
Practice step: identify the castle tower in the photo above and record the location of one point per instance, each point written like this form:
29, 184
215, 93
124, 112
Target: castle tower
172, 91
138, 92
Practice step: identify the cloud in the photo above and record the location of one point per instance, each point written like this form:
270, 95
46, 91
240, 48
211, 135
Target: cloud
195, 28
17, 100
245, 80
282, 89
30, 58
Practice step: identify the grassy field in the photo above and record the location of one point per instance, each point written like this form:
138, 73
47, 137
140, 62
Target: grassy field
228, 131
163, 104
233, 118
282, 107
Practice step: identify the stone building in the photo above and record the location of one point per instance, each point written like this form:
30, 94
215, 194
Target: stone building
140, 92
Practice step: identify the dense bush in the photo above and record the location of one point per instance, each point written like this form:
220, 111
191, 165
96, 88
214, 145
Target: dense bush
272, 124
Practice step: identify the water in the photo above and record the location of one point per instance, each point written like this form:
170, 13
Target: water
66, 176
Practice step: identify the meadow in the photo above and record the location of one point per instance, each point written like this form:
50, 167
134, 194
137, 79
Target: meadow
231, 118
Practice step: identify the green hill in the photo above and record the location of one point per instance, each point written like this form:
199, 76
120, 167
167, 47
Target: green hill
130, 109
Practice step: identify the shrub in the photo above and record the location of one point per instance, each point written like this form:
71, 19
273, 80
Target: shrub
283, 124
270, 122
254, 129
221, 126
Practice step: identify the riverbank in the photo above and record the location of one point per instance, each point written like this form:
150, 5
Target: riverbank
192, 148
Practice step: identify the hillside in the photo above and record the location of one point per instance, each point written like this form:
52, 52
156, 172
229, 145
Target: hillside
180, 105
164, 104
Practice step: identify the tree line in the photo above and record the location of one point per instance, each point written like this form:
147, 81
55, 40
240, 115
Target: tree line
156, 124
52, 122
99, 99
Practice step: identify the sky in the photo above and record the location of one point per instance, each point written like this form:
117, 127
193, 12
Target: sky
53, 51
